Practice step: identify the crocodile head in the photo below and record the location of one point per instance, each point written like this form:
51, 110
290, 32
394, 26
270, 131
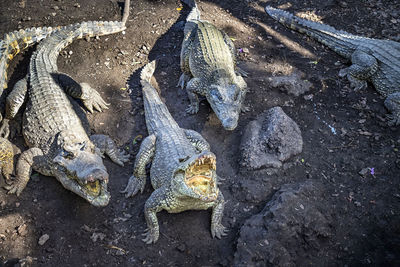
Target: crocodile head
225, 97
196, 177
81, 170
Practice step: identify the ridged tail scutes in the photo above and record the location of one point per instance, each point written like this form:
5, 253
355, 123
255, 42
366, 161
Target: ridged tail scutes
147, 72
194, 13
341, 42
15, 42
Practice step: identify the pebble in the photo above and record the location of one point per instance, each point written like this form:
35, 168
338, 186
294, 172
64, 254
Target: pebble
22, 231
43, 239
181, 247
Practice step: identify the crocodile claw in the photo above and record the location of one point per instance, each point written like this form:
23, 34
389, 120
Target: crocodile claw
134, 186
183, 80
192, 109
92, 99
122, 157
150, 236
218, 231
393, 119
14, 188
241, 72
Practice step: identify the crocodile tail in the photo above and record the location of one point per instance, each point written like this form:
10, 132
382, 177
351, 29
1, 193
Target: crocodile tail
156, 113
126, 12
341, 42
15, 42
147, 72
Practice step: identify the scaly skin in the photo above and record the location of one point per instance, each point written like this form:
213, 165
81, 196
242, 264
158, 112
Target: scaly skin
15, 42
208, 64
372, 60
182, 172
59, 145
6, 159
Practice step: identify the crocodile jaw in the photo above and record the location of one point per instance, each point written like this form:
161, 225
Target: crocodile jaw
198, 177
85, 175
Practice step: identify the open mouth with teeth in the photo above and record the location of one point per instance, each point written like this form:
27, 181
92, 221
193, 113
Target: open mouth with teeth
94, 191
200, 177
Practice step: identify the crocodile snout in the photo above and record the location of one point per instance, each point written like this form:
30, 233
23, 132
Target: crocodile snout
97, 175
230, 123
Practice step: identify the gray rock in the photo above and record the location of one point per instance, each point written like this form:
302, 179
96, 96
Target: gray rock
270, 140
291, 230
292, 84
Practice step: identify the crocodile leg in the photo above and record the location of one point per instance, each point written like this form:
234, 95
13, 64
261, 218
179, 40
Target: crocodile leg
197, 140
185, 55
13, 103
30, 159
89, 96
217, 229
155, 203
392, 103
195, 86
363, 66
138, 180
108, 147
6, 159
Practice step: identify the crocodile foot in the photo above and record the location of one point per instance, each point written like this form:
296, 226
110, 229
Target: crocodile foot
392, 103
134, 186
241, 72
121, 157
393, 119
218, 231
244, 109
92, 99
150, 236
355, 83
192, 109
14, 188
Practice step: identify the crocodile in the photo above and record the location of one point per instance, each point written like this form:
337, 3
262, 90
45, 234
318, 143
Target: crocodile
183, 170
15, 42
58, 143
208, 63
6, 159
374, 60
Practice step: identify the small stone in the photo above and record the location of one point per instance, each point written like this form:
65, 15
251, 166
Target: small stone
181, 247
96, 236
17, 204
22, 231
308, 97
43, 239
56, 8
245, 50
364, 172
70, 52
53, 14
77, 5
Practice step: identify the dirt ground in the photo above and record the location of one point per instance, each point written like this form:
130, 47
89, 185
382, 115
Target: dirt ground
344, 132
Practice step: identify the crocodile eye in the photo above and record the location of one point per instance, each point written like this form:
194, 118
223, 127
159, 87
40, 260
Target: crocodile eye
83, 146
68, 155
216, 95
